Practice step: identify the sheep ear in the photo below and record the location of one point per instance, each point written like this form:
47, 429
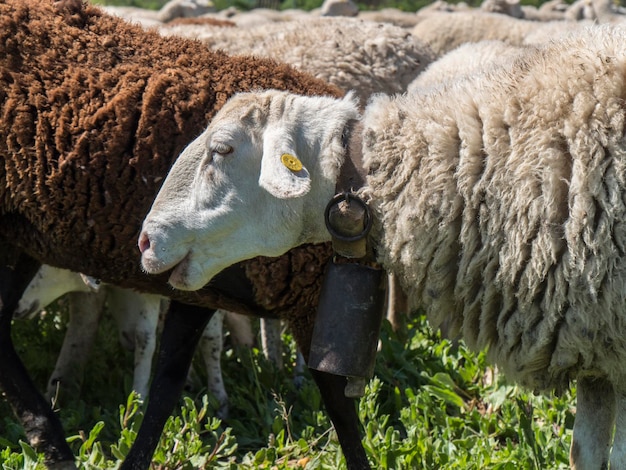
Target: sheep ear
284, 176
282, 173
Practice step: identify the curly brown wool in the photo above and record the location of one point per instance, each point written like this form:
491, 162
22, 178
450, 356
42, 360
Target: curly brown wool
294, 297
94, 111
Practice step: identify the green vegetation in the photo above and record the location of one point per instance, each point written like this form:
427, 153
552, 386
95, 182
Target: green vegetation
432, 405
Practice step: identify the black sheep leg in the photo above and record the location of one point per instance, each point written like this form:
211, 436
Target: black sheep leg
42, 427
342, 412
182, 330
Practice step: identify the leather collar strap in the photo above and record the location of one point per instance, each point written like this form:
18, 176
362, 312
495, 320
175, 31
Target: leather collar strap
352, 174
347, 216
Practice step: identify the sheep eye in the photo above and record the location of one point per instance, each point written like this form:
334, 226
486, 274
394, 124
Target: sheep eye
221, 149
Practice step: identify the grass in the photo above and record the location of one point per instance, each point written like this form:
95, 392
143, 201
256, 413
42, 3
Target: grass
431, 405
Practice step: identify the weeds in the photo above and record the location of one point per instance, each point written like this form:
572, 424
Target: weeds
431, 405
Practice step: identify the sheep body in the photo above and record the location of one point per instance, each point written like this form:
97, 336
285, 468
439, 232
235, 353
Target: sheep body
522, 243
444, 31
498, 202
392, 16
172, 10
350, 53
103, 105
465, 59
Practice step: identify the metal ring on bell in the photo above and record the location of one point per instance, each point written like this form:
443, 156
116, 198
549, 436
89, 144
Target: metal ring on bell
348, 197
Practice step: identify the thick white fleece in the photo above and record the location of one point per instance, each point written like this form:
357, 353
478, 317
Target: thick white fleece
501, 206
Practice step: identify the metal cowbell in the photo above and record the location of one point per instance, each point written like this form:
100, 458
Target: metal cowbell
347, 326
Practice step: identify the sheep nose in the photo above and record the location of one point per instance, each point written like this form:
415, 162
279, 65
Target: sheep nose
144, 242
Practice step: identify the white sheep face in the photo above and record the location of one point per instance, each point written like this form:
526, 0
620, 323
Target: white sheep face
254, 183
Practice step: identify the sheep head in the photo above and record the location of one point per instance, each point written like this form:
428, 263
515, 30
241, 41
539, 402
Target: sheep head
254, 183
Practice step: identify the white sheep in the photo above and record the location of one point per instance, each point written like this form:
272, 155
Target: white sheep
506, 7
394, 16
339, 8
257, 16
136, 316
465, 59
350, 53
499, 204
171, 10
364, 56
444, 31
514, 8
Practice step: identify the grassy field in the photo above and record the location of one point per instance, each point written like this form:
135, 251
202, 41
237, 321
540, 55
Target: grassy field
431, 405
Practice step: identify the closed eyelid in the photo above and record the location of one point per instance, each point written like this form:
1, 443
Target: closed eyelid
222, 149
220, 146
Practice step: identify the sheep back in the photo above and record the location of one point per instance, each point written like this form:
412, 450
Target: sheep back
444, 31
500, 205
467, 58
351, 53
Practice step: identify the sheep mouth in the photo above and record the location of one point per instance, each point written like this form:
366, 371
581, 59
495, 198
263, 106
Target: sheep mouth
188, 275
152, 264
195, 272
179, 275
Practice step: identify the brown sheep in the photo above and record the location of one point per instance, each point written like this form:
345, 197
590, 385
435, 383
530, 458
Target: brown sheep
93, 112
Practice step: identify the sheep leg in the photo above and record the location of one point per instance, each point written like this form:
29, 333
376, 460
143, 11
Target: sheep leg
298, 370
211, 346
271, 341
137, 317
42, 427
145, 343
397, 307
240, 328
593, 428
342, 412
182, 330
66, 380
618, 453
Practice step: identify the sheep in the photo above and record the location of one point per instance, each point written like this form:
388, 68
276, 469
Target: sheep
383, 58
465, 59
171, 11
339, 8
93, 112
468, 26
392, 16
255, 17
443, 31
604, 11
528, 12
553, 30
497, 201
137, 316
507, 7
351, 53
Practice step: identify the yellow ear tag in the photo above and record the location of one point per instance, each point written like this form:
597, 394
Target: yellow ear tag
291, 161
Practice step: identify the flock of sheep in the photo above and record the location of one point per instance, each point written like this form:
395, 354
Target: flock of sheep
493, 140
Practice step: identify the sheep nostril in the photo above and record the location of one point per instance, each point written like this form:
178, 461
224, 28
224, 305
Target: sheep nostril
144, 242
